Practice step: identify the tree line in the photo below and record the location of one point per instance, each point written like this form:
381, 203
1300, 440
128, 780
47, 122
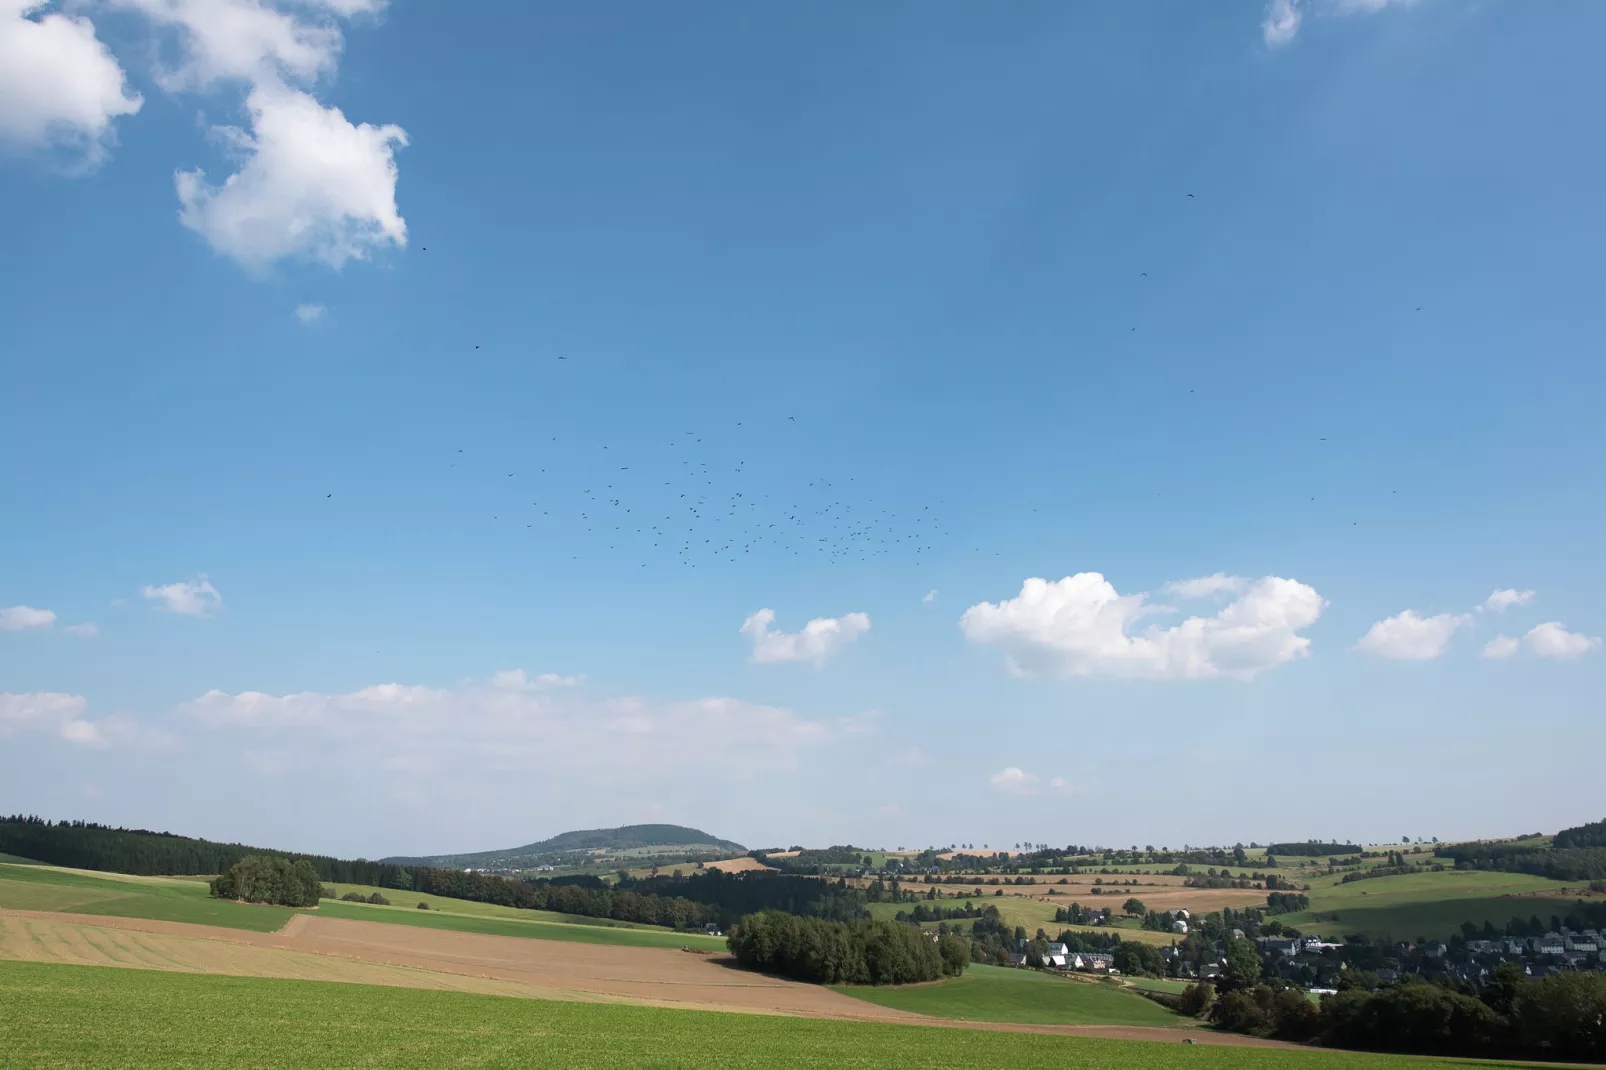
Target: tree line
1590, 835
1313, 849
860, 952
1582, 863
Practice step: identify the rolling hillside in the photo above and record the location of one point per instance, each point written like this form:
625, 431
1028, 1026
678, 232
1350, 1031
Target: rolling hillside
627, 841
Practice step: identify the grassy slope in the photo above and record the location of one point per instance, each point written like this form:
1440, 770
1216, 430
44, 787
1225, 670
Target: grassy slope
178, 899
527, 929
83, 1016
481, 910
1426, 904
157, 898
998, 994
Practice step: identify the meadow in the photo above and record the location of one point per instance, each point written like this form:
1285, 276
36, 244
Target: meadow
1428, 904
573, 930
49, 888
85, 1016
1000, 994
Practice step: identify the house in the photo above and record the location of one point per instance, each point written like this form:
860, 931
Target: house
1237, 934
1315, 945
1515, 945
713, 930
1285, 948
1583, 944
1179, 926
1434, 950
1092, 960
1170, 953
1211, 971
1550, 944
1017, 959
1057, 956
1388, 976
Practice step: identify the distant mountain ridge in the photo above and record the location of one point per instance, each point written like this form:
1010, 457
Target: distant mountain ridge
637, 839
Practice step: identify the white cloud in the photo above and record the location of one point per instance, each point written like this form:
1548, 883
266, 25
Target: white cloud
25, 618
1409, 637
249, 40
309, 313
1281, 22
1013, 780
519, 680
816, 642
1500, 601
59, 85
86, 630
1283, 17
310, 184
193, 599
930, 596
49, 711
1501, 647
486, 727
1551, 640
1060, 786
1081, 626
1206, 586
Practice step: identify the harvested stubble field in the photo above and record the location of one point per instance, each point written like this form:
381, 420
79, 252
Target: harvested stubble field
87, 1017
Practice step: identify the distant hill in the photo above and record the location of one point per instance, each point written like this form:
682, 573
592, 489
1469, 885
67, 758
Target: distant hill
627, 841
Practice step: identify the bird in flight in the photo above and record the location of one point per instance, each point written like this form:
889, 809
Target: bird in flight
1145, 274
1190, 195
328, 495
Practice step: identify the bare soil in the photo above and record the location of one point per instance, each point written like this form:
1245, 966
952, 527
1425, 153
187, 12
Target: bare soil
364, 952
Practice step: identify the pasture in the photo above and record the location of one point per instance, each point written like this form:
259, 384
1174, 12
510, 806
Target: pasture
36, 887
88, 1017
1000, 994
1429, 904
530, 925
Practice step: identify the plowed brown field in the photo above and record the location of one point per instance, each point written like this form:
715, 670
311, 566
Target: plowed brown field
336, 949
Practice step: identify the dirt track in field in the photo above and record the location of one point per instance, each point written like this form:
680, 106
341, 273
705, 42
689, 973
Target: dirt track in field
364, 952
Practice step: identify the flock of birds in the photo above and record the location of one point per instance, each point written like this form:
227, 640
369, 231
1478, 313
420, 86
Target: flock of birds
705, 505
691, 499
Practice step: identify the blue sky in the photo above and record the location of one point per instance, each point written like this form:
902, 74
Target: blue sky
927, 286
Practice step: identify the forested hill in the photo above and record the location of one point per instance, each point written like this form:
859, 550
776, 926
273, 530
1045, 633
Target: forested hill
85, 845
641, 838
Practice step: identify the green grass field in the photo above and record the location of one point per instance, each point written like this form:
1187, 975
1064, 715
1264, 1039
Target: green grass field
481, 910
92, 1017
999, 994
33, 887
1427, 904
49, 888
530, 929
1155, 984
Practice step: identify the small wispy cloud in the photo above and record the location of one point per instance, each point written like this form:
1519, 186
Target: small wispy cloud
816, 642
931, 596
309, 313
1013, 780
195, 598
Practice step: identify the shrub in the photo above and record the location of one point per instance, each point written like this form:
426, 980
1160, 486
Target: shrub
354, 897
379, 900
422, 905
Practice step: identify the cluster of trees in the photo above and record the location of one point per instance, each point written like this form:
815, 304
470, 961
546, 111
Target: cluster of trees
1313, 849
1590, 835
270, 879
1287, 902
376, 898
924, 913
812, 860
861, 952
85, 845
1557, 1017
1387, 871
1077, 914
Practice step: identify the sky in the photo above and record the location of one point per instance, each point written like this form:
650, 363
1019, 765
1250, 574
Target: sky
435, 427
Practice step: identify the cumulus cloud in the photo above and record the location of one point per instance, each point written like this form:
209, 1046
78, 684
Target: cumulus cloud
195, 598
504, 725
309, 313
1081, 626
60, 713
59, 85
1500, 601
1501, 647
1012, 780
25, 618
816, 642
1552, 640
1409, 637
310, 184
